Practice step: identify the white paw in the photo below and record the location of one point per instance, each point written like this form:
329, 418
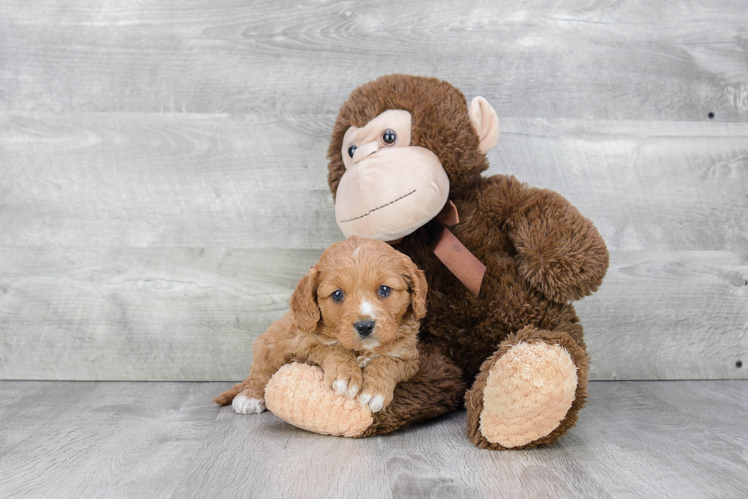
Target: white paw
244, 405
375, 402
340, 386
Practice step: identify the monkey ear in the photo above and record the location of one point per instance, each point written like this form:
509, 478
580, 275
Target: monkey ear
418, 289
486, 123
304, 302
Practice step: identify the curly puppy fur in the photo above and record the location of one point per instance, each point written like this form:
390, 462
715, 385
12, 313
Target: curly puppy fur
340, 292
540, 254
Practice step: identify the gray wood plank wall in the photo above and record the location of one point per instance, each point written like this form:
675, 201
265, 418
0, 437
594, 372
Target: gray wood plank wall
162, 167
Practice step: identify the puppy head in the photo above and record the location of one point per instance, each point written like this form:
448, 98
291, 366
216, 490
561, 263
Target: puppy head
359, 294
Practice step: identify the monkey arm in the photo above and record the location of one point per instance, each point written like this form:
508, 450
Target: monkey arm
559, 251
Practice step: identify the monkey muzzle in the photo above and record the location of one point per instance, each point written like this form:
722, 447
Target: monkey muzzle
390, 193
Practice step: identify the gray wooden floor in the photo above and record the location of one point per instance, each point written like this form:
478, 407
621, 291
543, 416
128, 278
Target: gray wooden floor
129, 439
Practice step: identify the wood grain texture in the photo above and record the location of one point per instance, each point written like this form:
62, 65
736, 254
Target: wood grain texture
163, 173
140, 314
257, 181
605, 59
113, 439
148, 180
146, 247
192, 314
635, 439
669, 315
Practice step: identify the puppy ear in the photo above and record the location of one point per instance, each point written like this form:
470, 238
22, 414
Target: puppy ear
304, 302
418, 289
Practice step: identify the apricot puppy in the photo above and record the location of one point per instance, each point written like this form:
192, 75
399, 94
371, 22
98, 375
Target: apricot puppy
356, 314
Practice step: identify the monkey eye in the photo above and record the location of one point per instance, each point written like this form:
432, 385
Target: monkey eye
384, 291
352, 150
389, 137
337, 295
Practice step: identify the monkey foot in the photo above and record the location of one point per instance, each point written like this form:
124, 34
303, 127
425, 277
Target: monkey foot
298, 394
528, 392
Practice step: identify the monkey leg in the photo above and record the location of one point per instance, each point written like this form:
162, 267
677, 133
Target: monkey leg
529, 392
298, 395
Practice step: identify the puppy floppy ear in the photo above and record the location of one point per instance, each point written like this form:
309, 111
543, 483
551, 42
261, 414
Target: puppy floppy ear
304, 302
418, 289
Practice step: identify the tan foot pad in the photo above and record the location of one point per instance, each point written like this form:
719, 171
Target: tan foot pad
528, 392
297, 394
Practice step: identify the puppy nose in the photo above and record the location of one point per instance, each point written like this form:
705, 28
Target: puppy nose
364, 328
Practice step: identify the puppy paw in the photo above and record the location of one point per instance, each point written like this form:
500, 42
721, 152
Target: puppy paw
341, 387
246, 405
377, 393
375, 402
346, 378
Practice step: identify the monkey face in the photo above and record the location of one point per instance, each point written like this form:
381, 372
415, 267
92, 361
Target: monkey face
400, 146
390, 188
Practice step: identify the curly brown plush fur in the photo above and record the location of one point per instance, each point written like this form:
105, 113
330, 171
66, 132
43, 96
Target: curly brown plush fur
540, 254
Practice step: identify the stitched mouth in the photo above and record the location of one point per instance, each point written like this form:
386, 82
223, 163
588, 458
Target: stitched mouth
378, 208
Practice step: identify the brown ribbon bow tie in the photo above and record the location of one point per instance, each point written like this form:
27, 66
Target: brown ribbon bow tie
453, 254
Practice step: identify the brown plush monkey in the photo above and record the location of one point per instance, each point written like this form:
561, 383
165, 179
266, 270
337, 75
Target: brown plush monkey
402, 147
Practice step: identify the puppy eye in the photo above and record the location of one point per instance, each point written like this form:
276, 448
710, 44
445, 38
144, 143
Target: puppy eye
337, 296
384, 291
389, 137
352, 150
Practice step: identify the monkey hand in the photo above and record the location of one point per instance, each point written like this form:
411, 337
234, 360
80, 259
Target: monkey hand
559, 251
